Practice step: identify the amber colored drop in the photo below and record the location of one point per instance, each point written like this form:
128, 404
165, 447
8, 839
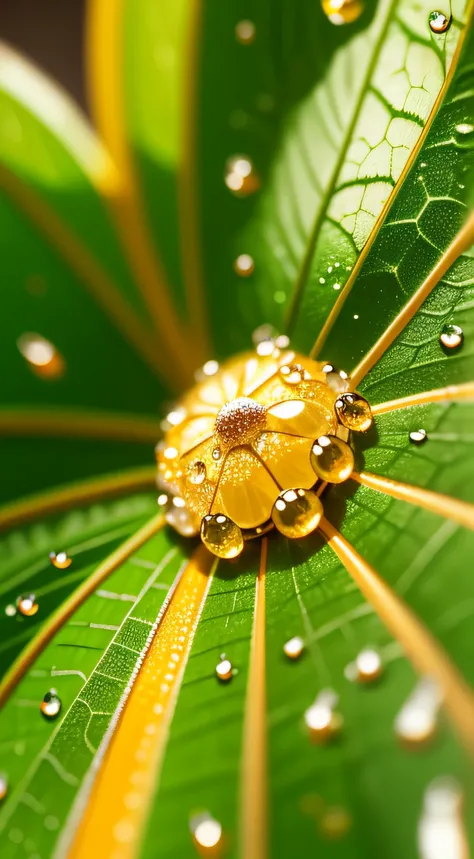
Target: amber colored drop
224, 669
51, 705
197, 473
293, 648
321, 719
244, 265
451, 337
297, 512
221, 536
439, 22
332, 459
41, 355
60, 560
353, 412
27, 605
342, 11
240, 176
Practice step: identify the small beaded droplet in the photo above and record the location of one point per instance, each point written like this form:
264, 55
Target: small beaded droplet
418, 436
293, 374
297, 512
451, 337
321, 719
240, 176
244, 265
51, 705
27, 605
3, 786
336, 379
353, 412
332, 459
222, 536
197, 473
416, 723
10, 610
294, 647
342, 11
439, 22
60, 560
207, 834
245, 32
216, 453
224, 669
41, 355
366, 668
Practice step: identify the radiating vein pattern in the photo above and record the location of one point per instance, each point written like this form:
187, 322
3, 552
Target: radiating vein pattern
103, 642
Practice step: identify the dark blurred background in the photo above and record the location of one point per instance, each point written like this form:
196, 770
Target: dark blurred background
50, 32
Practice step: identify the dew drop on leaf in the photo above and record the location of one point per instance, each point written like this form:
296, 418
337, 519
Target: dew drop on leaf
244, 265
353, 412
10, 610
332, 459
297, 512
206, 832
293, 374
245, 32
464, 128
60, 560
336, 379
240, 176
197, 473
27, 605
439, 22
294, 647
416, 722
451, 337
216, 453
342, 11
224, 669
51, 705
221, 536
418, 436
321, 719
41, 355
366, 667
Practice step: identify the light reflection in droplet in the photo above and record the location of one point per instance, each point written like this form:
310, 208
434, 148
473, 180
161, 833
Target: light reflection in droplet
244, 265
321, 719
416, 722
240, 176
41, 355
439, 22
440, 829
245, 32
60, 560
206, 831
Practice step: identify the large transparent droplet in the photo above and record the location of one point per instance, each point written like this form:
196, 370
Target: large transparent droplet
197, 473
240, 176
332, 459
51, 705
451, 337
297, 512
221, 536
342, 11
27, 605
60, 560
353, 412
439, 22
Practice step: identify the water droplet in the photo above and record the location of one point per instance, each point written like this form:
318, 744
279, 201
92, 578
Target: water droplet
179, 517
10, 610
60, 560
440, 829
464, 128
336, 286
322, 280
418, 436
293, 374
216, 453
353, 412
240, 176
224, 669
332, 459
221, 536
439, 22
245, 32
356, 316
366, 668
342, 11
206, 832
170, 453
265, 348
27, 605
244, 265
336, 379
335, 822
197, 473
297, 512
294, 647
41, 355
164, 502
174, 418
321, 719
282, 341
415, 724
210, 368
451, 337
51, 705
3, 786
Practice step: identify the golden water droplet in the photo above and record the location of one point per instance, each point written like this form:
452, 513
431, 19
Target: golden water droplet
439, 22
321, 719
353, 412
451, 337
297, 512
416, 722
27, 605
240, 176
336, 379
60, 560
418, 436
342, 11
10, 610
245, 32
3, 786
294, 647
207, 834
41, 355
224, 669
244, 265
335, 822
197, 473
332, 459
51, 705
293, 374
170, 453
216, 453
366, 668
221, 536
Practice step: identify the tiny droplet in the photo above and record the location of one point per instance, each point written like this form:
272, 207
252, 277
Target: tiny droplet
332, 459
294, 647
321, 719
240, 176
174, 417
342, 11
366, 668
451, 337
60, 560
297, 512
464, 128
418, 436
221, 536
10, 610
51, 705
224, 669
3, 786
293, 374
41, 355
245, 32
439, 22
27, 605
264, 332
180, 518
244, 265
197, 473
206, 832
353, 412
336, 379
216, 453
416, 722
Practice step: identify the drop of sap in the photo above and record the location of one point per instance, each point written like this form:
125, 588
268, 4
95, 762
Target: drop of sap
332, 459
294, 647
464, 128
451, 337
206, 832
439, 22
418, 436
197, 473
353, 412
216, 453
224, 669
221, 536
27, 605
240, 176
293, 374
245, 32
342, 11
3, 786
336, 379
41, 355
51, 705
321, 719
244, 265
297, 512
60, 560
